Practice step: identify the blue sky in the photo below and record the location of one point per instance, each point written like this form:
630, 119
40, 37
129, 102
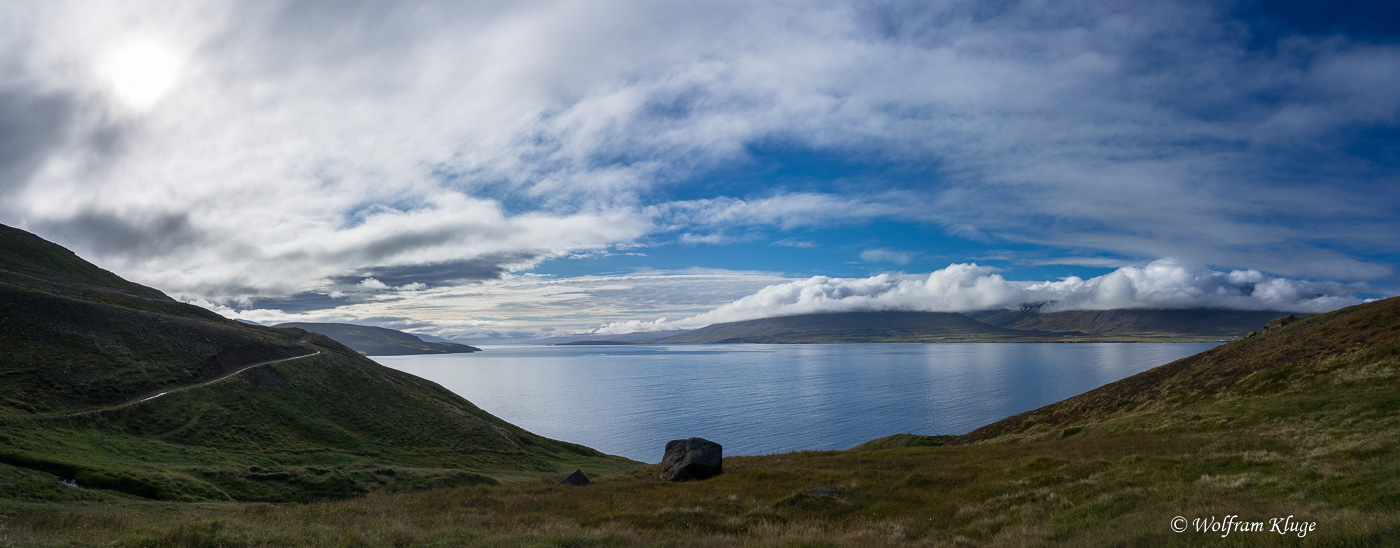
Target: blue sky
535, 168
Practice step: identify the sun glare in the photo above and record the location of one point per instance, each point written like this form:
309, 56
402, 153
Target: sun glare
142, 73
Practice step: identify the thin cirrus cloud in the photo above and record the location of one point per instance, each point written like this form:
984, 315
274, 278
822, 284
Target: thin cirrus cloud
881, 255
303, 147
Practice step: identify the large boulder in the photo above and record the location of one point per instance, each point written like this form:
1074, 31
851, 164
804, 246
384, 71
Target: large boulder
692, 459
576, 478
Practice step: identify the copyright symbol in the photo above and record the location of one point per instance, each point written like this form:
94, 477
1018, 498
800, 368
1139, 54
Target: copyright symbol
1179, 524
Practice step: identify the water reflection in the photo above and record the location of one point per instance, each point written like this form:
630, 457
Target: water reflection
756, 399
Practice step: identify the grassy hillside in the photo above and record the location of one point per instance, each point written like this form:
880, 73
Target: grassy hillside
1355, 349
74, 336
904, 440
850, 327
379, 341
1300, 421
25, 253
80, 349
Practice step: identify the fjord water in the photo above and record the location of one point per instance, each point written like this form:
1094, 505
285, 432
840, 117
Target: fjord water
758, 399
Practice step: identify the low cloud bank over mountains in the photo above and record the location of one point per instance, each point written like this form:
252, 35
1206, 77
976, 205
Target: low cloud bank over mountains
1163, 284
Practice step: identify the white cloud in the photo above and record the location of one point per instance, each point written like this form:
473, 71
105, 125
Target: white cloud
287, 255
1100, 262
1163, 284
794, 242
270, 317
372, 284
880, 255
526, 305
714, 238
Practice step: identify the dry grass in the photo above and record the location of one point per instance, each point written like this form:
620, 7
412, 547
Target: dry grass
1116, 489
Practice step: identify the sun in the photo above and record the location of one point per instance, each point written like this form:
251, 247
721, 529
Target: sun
141, 73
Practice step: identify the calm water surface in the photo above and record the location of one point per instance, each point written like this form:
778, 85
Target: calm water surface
757, 399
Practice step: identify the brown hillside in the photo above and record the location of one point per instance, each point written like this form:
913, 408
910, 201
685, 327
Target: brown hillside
1301, 351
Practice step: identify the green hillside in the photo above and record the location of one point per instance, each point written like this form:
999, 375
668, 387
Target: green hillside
75, 336
235, 411
379, 341
26, 254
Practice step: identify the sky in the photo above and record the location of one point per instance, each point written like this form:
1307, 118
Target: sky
478, 170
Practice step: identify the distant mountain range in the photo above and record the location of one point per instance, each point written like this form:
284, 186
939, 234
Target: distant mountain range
625, 338
849, 327
379, 341
1205, 322
628, 337
988, 326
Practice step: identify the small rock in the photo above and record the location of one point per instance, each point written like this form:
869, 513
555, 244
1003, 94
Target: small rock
1069, 432
1279, 322
823, 492
576, 478
692, 459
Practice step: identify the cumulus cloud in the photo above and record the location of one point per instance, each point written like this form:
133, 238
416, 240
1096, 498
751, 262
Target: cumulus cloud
1163, 284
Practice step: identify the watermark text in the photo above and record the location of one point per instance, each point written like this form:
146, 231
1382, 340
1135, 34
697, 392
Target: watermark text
1233, 524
